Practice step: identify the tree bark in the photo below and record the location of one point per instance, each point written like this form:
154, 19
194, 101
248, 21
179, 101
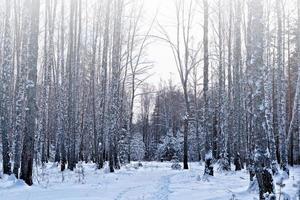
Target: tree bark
5, 97
30, 118
256, 78
208, 152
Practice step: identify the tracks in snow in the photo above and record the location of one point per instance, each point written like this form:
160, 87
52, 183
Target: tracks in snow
161, 191
124, 192
164, 190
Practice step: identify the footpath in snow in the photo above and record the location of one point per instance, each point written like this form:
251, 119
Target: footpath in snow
153, 181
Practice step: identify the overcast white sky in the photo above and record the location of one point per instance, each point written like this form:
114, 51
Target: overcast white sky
159, 52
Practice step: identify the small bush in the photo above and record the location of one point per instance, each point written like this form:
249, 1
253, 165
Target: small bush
175, 163
176, 166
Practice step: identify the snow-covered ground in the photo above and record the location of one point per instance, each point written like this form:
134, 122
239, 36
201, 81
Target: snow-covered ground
153, 181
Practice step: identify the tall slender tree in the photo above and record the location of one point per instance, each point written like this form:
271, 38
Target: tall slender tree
222, 115
281, 107
104, 81
20, 87
30, 118
208, 151
5, 91
62, 128
237, 104
256, 83
115, 84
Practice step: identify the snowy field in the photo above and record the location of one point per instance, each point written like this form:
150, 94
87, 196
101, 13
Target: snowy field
153, 181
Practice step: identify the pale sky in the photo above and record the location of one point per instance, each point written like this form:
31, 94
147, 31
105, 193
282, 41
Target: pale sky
159, 52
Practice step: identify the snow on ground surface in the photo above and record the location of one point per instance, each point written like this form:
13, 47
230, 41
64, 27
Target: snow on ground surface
153, 181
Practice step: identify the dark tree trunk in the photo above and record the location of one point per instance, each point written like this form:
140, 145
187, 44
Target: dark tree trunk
208, 153
30, 119
104, 85
237, 162
185, 145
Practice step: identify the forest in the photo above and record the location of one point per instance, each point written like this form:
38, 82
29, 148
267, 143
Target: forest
76, 98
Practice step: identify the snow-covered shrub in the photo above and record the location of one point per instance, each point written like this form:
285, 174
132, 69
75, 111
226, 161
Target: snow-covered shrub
123, 147
140, 164
169, 148
80, 172
44, 173
137, 165
223, 163
133, 165
274, 167
175, 163
151, 152
137, 147
175, 159
176, 166
42, 176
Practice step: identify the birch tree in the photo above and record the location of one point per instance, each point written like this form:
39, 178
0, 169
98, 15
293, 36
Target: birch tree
236, 90
104, 81
256, 82
5, 96
222, 116
281, 112
115, 85
208, 151
20, 88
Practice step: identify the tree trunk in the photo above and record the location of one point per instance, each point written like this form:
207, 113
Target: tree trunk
30, 119
237, 107
17, 117
208, 152
115, 86
104, 84
281, 104
5, 99
256, 78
